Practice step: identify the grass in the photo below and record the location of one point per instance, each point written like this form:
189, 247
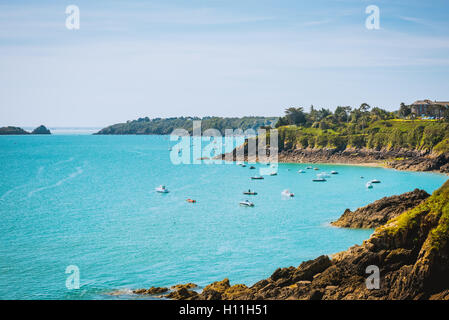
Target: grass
435, 208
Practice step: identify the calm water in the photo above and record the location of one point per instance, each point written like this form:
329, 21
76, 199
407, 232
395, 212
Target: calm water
89, 201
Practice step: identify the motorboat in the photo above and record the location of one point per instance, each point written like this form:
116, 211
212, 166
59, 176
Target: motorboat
257, 178
316, 169
334, 172
287, 193
301, 171
369, 185
252, 167
247, 203
243, 165
191, 200
375, 181
273, 174
250, 193
319, 179
162, 189
309, 168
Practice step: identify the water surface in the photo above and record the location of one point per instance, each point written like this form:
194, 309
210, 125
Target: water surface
89, 201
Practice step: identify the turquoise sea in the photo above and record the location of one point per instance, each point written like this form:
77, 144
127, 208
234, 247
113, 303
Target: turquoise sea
89, 201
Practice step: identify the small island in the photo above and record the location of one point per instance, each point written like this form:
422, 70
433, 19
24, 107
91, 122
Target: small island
41, 130
19, 131
12, 131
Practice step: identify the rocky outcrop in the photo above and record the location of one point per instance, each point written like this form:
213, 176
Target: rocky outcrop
400, 159
151, 291
20, 131
12, 131
411, 253
41, 130
380, 211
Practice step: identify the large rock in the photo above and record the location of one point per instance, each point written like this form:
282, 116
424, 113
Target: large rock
380, 211
41, 130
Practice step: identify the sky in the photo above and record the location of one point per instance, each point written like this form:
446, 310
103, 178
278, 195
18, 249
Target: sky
166, 58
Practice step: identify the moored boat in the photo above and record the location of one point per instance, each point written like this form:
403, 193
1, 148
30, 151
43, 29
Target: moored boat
162, 189
247, 203
287, 193
257, 178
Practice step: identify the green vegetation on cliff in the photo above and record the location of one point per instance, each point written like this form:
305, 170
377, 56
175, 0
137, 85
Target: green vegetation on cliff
374, 129
436, 208
167, 125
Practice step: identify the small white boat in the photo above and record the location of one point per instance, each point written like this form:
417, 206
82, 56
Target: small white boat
309, 167
257, 178
162, 189
301, 171
287, 193
319, 179
334, 172
247, 203
369, 185
375, 181
273, 174
243, 165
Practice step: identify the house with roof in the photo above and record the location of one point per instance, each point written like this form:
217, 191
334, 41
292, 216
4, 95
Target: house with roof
428, 108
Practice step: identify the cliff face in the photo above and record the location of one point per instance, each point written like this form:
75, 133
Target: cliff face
411, 252
379, 212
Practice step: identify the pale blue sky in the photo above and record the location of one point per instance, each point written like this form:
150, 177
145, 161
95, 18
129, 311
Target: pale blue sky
215, 57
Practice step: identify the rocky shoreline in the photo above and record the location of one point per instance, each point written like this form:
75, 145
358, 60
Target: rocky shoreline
381, 211
399, 159
410, 252
396, 159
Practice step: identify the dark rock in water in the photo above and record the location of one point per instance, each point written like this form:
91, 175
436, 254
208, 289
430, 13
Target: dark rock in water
411, 252
151, 291
380, 211
182, 294
12, 131
41, 130
187, 286
214, 291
